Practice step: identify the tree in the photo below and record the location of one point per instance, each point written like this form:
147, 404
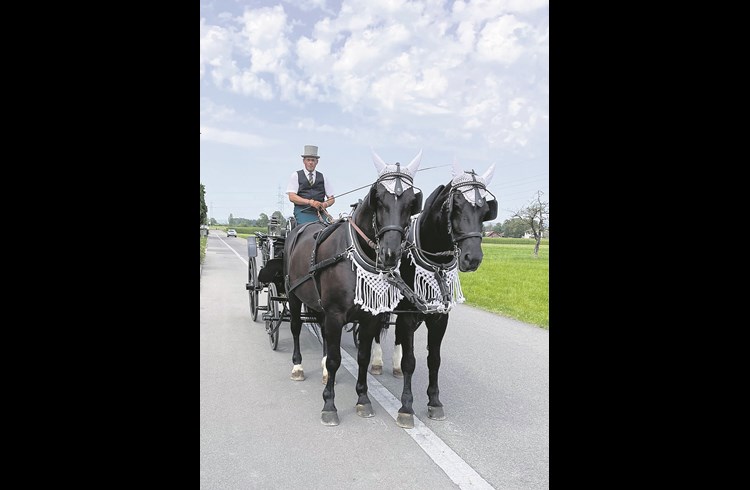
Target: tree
513, 228
204, 208
262, 220
231, 219
536, 218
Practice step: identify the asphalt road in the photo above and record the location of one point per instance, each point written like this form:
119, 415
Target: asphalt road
261, 430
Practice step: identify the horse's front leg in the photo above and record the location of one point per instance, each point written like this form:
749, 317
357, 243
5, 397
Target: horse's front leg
295, 325
406, 324
436, 326
368, 330
333, 325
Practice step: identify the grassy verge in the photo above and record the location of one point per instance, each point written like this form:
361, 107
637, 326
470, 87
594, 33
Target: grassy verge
511, 282
204, 240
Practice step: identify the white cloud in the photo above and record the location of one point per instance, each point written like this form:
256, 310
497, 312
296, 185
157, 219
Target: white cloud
216, 52
467, 79
235, 138
498, 40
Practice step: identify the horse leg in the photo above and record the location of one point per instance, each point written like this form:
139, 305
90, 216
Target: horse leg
323, 359
377, 351
368, 330
376, 367
333, 325
398, 354
406, 324
436, 327
295, 309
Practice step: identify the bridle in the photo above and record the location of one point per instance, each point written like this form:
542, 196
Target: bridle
447, 207
398, 175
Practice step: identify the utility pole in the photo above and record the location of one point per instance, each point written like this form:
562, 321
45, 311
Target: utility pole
280, 203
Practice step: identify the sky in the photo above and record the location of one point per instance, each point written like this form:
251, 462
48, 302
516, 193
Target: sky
464, 81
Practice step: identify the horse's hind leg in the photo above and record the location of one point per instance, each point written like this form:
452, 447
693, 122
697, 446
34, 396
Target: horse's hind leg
295, 311
333, 324
436, 326
321, 320
398, 354
376, 365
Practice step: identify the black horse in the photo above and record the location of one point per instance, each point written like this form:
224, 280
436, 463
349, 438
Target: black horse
444, 238
338, 271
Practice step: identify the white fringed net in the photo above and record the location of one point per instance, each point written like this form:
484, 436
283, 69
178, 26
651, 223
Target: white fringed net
390, 182
427, 287
373, 293
470, 192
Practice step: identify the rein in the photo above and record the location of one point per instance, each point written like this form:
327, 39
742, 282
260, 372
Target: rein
362, 234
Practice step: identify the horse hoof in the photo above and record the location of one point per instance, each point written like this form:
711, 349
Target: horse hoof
397, 373
298, 375
436, 413
365, 411
329, 418
405, 420
376, 370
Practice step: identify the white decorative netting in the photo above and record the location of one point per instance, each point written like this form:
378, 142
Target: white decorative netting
390, 183
373, 293
427, 287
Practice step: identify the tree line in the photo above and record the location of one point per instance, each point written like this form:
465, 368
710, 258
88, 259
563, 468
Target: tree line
533, 218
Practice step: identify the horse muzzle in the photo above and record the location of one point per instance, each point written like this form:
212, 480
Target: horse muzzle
470, 260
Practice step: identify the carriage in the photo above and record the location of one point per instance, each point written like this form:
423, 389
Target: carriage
269, 279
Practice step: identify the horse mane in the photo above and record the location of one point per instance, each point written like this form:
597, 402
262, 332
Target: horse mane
433, 196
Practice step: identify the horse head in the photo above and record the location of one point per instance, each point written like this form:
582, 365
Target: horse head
394, 199
468, 209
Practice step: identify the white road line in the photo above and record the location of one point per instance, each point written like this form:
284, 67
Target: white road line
233, 250
451, 463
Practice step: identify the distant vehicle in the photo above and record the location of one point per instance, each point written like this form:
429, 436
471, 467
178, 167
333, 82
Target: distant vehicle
232, 232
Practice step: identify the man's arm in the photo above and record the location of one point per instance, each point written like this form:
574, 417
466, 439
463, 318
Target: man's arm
304, 202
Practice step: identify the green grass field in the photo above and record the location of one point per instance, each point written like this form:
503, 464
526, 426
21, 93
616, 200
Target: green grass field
510, 281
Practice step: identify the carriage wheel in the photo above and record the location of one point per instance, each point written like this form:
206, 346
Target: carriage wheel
274, 320
252, 286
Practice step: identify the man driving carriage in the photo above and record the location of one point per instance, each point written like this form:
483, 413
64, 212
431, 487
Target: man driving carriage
309, 190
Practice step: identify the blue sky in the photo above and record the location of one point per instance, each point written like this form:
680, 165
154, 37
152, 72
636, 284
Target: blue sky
464, 80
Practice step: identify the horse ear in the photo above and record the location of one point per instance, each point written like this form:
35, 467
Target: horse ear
379, 163
488, 174
456, 169
416, 206
492, 212
414, 165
